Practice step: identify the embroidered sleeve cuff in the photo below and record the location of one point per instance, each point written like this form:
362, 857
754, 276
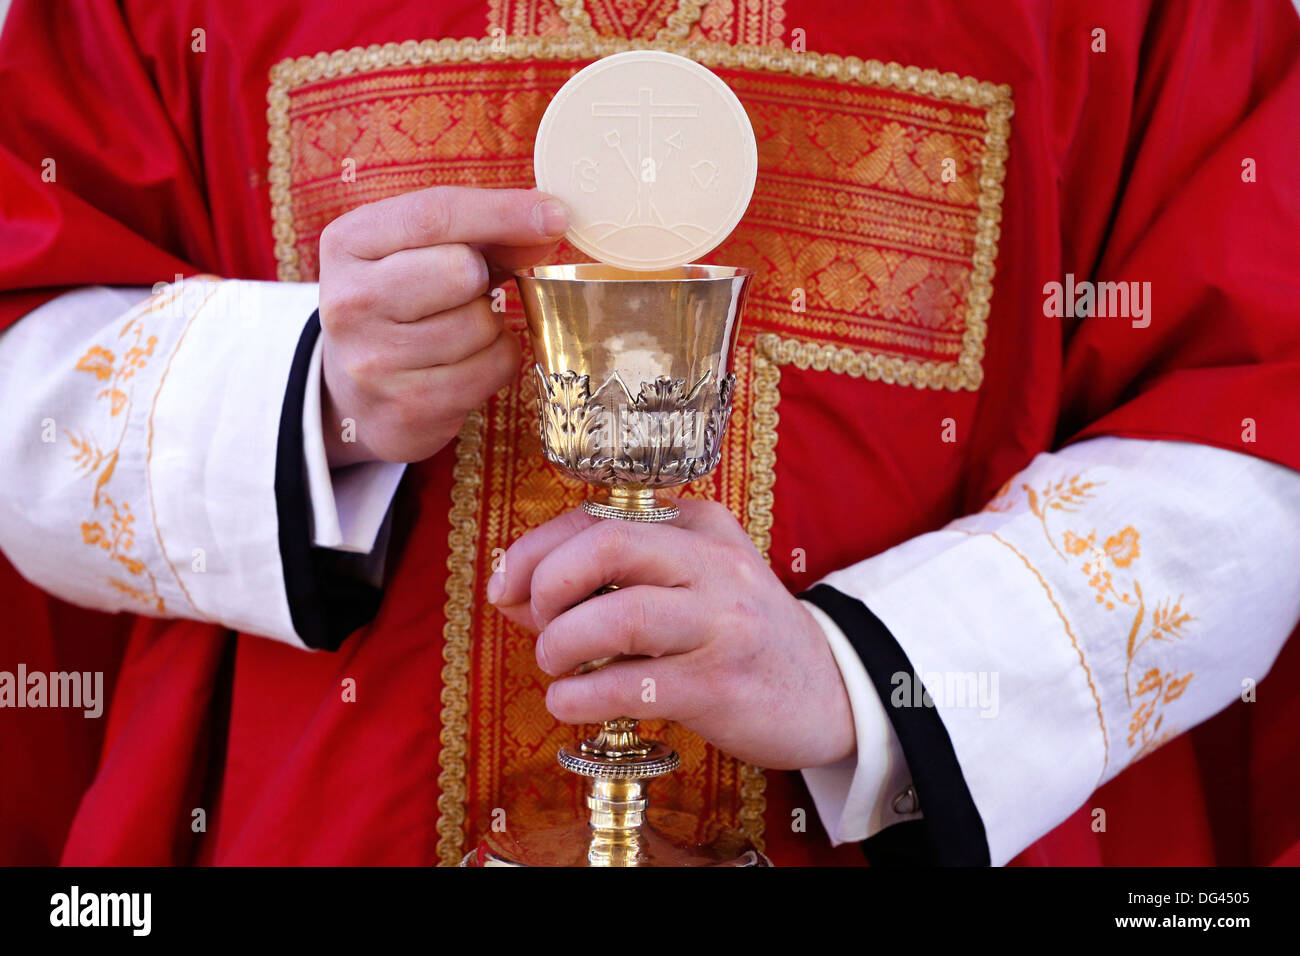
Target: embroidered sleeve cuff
965, 613
857, 797
211, 452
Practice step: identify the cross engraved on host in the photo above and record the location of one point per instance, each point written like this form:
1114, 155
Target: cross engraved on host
645, 112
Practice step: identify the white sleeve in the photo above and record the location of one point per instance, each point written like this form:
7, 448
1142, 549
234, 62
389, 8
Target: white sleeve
1113, 595
348, 504
139, 471
862, 794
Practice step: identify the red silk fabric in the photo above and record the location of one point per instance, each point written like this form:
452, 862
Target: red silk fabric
1122, 167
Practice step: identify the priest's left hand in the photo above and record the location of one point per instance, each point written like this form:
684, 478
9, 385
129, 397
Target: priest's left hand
723, 648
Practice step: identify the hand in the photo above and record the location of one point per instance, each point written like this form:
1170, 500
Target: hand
731, 653
412, 345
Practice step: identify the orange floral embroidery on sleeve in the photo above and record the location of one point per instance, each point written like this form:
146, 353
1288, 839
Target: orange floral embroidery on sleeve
1002, 500
118, 538
1168, 620
1144, 729
1067, 495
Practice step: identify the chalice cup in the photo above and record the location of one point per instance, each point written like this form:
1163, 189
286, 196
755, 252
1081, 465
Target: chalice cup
634, 386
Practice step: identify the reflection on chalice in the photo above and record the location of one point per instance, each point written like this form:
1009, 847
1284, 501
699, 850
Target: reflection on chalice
634, 383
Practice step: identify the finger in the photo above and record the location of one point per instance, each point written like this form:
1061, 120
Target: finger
640, 621
443, 339
426, 399
710, 518
509, 584
505, 260
615, 552
414, 283
465, 385
427, 217
642, 689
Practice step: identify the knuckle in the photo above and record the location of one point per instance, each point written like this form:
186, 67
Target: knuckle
472, 272
465, 271
559, 701
337, 236
748, 574
363, 368
331, 240
540, 586
609, 540
428, 215
353, 300
481, 327
635, 625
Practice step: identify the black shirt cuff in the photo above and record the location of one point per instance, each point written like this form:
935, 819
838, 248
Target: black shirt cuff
951, 832
326, 604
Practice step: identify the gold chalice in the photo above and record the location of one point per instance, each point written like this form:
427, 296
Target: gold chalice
634, 382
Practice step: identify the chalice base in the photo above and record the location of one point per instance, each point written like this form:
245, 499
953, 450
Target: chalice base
630, 504
666, 838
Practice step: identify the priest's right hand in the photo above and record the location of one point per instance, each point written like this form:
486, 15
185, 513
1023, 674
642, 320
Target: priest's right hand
411, 342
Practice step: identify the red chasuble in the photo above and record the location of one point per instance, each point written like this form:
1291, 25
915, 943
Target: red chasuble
924, 170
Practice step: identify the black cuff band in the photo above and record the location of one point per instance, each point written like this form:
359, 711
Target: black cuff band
951, 832
325, 604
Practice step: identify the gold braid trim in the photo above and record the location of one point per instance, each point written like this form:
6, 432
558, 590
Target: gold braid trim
574, 13
874, 368
681, 20
461, 552
766, 386
762, 445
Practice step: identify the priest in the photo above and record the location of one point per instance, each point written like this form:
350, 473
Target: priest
969, 561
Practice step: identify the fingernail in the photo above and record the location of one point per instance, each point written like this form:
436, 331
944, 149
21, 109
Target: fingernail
496, 584
551, 217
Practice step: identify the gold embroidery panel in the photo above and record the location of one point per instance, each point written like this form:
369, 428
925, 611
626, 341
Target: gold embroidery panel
874, 220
